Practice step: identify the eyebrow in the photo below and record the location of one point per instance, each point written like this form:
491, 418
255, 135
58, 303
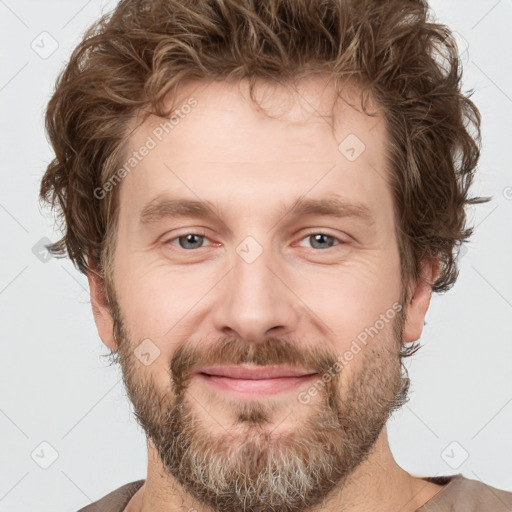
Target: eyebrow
163, 207
329, 207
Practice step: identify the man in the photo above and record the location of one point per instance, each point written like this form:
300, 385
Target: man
205, 152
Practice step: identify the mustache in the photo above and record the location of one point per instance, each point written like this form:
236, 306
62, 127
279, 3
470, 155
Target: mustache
188, 358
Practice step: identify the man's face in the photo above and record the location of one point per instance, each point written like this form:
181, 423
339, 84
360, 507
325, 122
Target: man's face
260, 284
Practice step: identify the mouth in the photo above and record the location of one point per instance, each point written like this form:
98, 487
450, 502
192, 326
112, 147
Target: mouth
254, 380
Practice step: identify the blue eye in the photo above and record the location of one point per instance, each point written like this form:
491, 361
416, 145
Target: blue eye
322, 239
190, 240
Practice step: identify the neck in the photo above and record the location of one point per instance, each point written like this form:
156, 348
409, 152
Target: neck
377, 484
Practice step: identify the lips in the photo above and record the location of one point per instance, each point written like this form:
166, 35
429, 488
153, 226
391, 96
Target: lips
255, 372
245, 381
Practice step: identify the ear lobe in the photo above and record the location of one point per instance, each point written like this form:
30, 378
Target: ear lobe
101, 309
419, 301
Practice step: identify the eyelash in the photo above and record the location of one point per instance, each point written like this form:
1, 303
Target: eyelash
204, 235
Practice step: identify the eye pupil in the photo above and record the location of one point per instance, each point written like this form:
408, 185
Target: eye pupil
189, 239
322, 238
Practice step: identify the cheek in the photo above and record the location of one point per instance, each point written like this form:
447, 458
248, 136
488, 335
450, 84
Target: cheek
169, 305
353, 295
162, 304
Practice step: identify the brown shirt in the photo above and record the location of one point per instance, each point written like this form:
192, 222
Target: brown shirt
459, 494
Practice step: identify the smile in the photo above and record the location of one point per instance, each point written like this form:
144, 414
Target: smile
256, 381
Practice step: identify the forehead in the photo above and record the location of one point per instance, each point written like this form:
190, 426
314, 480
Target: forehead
282, 114
297, 139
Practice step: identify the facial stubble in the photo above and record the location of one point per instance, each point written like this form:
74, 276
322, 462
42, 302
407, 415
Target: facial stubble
252, 465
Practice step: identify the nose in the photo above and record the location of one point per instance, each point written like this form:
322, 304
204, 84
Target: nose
255, 301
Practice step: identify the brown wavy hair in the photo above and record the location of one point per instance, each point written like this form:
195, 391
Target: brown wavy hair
133, 59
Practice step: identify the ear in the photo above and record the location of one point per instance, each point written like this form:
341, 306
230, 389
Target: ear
419, 301
101, 310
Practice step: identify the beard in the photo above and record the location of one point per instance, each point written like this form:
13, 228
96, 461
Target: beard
252, 466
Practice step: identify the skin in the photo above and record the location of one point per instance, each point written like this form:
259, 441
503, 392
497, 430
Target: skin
227, 152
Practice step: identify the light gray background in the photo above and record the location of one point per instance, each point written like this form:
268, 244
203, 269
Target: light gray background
55, 388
